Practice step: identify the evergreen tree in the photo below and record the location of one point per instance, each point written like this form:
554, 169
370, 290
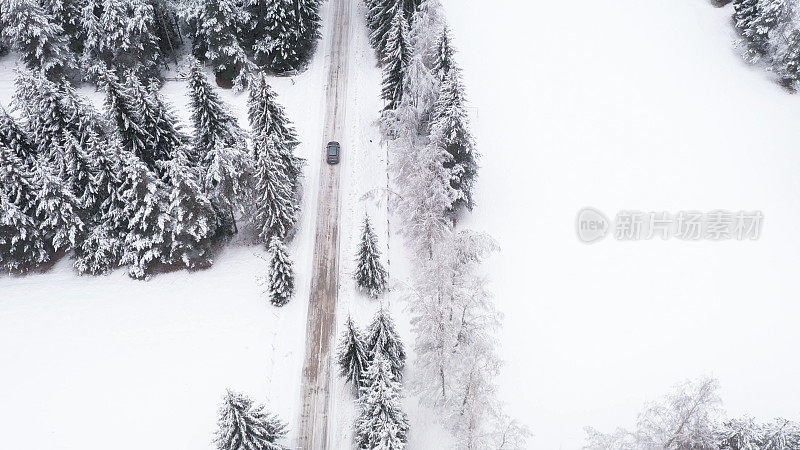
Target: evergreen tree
370, 274
67, 14
786, 60
279, 48
123, 112
22, 244
397, 57
144, 215
450, 130
380, 19
228, 184
382, 338
15, 138
308, 26
274, 210
281, 274
268, 120
244, 426
193, 220
158, 123
426, 29
443, 61
102, 248
213, 123
35, 35
58, 212
382, 424
217, 25
352, 356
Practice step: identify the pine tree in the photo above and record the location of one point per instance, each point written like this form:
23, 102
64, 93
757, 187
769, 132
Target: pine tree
244, 426
352, 356
450, 130
34, 33
268, 120
274, 209
370, 274
158, 123
281, 274
426, 29
22, 243
193, 220
122, 111
756, 20
102, 249
144, 215
397, 57
279, 48
58, 212
15, 138
443, 61
213, 123
382, 338
217, 27
380, 19
67, 14
228, 183
786, 60
382, 424
308, 26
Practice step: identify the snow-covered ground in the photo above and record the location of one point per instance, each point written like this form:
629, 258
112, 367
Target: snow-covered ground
631, 105
616, 105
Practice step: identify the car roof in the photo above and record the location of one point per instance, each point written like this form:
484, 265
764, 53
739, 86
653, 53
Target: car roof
333, 143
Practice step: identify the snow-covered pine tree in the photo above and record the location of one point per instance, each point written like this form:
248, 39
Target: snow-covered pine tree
370, 274
397, 57
281, 273
274, 208
216, 29
228, 183
450, 130
244, 426
58, 212
158, 123
380, 18
382, 424
120, 35
279, 48
382, 338
67, 14
213, 123
308, 28
122, 110
785, 48
426, 29
443, 57
193, 219
22, 243
144, 215
410, 8
352, 355
15, 138
268, 119
35, 35
756, 21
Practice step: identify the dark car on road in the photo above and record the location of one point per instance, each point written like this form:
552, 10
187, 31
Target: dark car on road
333, 152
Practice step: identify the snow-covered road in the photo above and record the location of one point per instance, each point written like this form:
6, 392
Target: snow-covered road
324, 291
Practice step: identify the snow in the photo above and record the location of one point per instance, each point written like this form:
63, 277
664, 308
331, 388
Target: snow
630, 105
621, 105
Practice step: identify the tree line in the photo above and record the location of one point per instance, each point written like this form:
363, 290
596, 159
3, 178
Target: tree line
433, 164
770, 36
128, 187
82, 39
691, 417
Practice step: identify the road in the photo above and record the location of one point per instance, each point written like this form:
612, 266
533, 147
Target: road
313, 425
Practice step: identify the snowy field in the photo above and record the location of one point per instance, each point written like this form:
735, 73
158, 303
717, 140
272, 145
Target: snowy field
631, 105
620, 105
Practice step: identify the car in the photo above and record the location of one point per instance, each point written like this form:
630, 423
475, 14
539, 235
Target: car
333, 153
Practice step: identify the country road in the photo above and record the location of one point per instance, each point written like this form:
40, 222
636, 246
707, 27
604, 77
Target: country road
321, 322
